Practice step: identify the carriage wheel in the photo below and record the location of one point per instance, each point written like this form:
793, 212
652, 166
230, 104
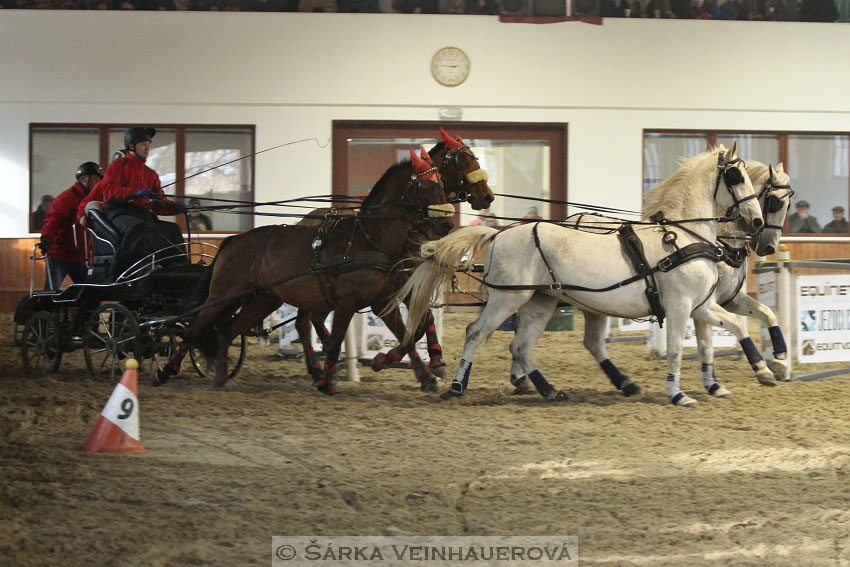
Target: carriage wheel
199, 361
40, 345
112, 336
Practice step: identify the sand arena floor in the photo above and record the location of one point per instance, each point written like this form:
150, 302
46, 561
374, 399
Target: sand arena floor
762, 479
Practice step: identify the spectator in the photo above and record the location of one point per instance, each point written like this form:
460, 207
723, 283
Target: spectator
838, 224
726, 10
613, 8
481, 7
699, 11
62, 237
198, 221
531, 215
486, 218
818, 11
801, 222
39, 214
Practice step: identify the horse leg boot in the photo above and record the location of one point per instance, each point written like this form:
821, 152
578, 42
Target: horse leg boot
500, 306
342, 317
531, 321
594, 341
303, 319
705, 342
395, 323
743, 304
435, 350
676, 320
713, 314
201, 330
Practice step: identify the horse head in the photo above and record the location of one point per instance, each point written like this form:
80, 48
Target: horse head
775, 200
738, 195
461, 172
427, 197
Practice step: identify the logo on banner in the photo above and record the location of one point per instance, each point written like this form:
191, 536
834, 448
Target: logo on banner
823, 311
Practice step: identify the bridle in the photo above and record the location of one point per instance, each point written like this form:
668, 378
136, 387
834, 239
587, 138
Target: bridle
732, 177
425, 213
453, 157
771, 203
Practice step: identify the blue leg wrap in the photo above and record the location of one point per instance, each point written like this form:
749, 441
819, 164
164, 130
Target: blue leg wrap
752, 353
777, 339
617, 378
461, 379
542, 385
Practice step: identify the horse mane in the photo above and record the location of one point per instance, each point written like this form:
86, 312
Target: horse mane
379, 190
668, 195
758, 174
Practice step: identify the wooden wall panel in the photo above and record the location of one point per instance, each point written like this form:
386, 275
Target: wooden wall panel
15, 268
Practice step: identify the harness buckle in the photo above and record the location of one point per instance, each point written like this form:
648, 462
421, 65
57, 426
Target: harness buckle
555, 286
665, 264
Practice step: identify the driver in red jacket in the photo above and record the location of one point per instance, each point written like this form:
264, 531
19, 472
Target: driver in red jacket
62, 237
126, 192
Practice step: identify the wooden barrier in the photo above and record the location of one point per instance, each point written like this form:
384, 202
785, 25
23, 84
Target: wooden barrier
15, 268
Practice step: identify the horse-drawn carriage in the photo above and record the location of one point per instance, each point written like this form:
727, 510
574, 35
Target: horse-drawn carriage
140, 311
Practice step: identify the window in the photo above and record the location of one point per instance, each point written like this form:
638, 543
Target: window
819, 166
217, 163
521, 160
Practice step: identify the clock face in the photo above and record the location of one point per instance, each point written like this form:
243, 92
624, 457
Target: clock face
450, 66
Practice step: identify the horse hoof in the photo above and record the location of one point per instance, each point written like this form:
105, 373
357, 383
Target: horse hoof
159, 378
722, 392
684, 401
522, 386
450, 395
765, 377
439, 371
379, 362
327, 387
779, 369
557, 396
631, 389
429, 384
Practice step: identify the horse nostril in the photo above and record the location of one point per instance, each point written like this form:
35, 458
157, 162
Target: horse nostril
758, 222
769, 250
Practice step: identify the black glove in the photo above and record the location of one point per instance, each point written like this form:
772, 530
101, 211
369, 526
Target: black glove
180, 207
44, 244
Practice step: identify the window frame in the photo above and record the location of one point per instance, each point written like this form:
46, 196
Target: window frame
105, 152
555, 133
782, 139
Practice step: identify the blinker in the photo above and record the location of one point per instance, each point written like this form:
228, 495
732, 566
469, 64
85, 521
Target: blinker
732, 177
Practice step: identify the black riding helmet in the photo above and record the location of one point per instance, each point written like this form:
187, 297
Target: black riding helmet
138, 134
89, 168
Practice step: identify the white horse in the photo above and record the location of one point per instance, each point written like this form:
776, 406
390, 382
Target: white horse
530, 268
774, 193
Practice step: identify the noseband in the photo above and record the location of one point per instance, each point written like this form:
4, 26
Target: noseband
732, 176
471, 178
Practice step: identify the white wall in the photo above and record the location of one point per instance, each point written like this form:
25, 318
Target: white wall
292, 74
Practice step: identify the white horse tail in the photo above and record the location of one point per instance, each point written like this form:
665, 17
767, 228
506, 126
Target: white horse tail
442, 258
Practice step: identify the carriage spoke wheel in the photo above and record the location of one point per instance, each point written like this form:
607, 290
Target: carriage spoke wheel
112, 337
238, 345
40, 345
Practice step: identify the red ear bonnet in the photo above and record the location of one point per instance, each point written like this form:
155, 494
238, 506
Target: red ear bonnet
451, 143
422, 164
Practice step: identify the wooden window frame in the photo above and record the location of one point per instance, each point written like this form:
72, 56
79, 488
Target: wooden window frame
554, 133
105, 152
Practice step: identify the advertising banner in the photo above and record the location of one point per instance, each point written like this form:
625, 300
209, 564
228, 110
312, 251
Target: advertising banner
823, 318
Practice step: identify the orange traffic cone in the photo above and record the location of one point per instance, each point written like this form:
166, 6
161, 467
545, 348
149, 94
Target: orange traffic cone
117, 430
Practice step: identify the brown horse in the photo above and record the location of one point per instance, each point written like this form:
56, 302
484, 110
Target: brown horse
344, 269
463, 180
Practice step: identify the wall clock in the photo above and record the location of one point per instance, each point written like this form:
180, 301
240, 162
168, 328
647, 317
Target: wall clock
450, 66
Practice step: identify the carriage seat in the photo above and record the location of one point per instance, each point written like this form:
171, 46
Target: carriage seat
105, 247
